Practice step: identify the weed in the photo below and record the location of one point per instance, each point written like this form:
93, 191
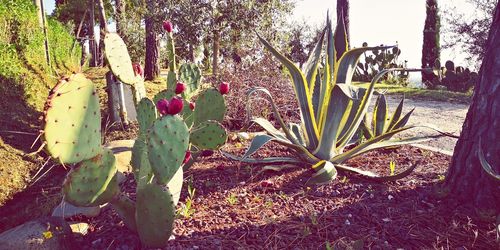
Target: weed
232, 199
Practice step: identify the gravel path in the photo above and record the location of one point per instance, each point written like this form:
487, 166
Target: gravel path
448, 117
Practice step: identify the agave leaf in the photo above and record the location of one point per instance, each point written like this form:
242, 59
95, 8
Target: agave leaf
257, 142
269, 160
486, 166
363, 106
401, 123
296, 145
302, 92
279, 168
341, 43
268, 126
379, 116
381, 141
367, 133
375, 177
338, 112
297, 132
316, 96
311, 66
397, 114
325, 172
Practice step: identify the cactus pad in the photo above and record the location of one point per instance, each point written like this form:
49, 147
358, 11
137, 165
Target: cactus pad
187, 114
92, 182
208, 135
73, 121
167, 143
119, 59
126, 209
146, 114
155, 211
210, 105
175, 185
164, 94
190, 74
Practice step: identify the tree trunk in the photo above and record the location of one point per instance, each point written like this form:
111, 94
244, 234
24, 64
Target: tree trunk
43, 26
103, 26
431, 50
92, 42
343, 10
215, 59
466, 180
151, 67
120, 17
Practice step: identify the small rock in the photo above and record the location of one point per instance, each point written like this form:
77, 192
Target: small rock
122, 149
347, 222
80, 228
243, 136
51, 233
390, 197
67, 210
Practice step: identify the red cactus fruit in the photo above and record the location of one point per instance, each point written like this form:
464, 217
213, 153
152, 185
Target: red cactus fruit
167, 26
224, 88
192, 105
175, 105
180, 87
187, 157
138, 69
162, 106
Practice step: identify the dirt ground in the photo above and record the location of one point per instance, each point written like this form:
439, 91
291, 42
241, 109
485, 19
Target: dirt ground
448, 117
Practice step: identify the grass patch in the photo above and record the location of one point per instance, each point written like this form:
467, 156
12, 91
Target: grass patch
421, 94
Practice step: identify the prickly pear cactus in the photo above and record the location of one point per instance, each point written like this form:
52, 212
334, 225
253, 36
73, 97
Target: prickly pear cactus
164, 94
119, 60
92, 182
209, 135
210, 105
126, 210
72, 129
146, 114
187, 114
167, 143
172, 64
190, 74
155, 211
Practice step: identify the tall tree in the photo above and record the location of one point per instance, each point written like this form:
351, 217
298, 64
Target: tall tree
103, 27
466, 180
343, 11
120, 17
430, 49
152, 67
43, 26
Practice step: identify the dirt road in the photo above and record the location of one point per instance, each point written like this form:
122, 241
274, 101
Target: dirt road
448, 117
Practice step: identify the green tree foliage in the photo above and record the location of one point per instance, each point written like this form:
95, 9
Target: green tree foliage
469, 32
431, 49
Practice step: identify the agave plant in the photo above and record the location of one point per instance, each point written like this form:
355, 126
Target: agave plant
331, 109
381, 121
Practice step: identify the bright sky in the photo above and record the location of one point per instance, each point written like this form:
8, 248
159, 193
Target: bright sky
376, 22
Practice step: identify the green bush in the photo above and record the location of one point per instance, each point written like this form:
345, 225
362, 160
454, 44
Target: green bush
25, 77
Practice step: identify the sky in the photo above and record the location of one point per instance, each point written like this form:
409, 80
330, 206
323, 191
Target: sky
377, 22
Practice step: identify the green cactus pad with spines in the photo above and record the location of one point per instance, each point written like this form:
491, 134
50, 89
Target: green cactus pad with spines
139, 154
155, 212
139, 91
210, 105
164, 94
118, 58
171, 80
126, 210
72, 129
175, 185
167, 141
146, 114
92, 182
208, 135
187, 114
190, 74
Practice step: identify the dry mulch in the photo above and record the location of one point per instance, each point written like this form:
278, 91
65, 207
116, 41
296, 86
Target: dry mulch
237, 205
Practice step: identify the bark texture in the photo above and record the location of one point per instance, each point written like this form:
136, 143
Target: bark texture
151, 67
103, 26
92, 43
466, 180
215, 59
120, 17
